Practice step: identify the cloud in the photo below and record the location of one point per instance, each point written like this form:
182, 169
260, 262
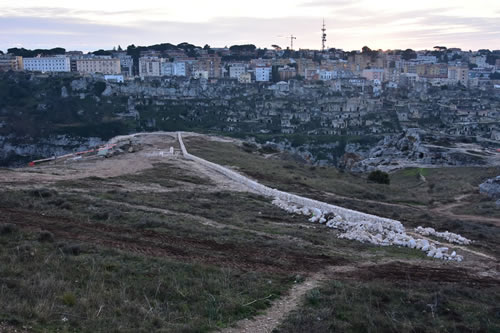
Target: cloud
332, 3
377, 29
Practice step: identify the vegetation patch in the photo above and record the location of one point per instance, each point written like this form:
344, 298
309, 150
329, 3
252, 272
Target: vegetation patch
405, 306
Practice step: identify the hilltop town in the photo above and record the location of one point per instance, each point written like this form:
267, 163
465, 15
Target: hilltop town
380, 70
438, 107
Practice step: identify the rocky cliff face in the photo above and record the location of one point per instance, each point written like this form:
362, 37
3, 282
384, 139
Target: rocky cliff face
418, 148
15, 151
310, 120
491, 188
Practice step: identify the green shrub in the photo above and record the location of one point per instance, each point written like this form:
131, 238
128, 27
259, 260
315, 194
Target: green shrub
68, 299
380, 177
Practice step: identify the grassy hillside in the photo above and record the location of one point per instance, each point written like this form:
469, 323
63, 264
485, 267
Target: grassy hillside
173, 249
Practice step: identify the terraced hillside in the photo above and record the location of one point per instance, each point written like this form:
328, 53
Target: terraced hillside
150, 241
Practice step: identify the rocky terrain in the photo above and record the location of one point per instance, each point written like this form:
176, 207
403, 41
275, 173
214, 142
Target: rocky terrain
418, 148
491, 188
349, 128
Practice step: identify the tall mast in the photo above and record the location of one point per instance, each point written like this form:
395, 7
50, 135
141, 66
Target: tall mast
292, 37
323, 37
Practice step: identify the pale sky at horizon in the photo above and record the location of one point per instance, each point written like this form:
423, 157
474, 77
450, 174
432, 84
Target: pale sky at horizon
91, 24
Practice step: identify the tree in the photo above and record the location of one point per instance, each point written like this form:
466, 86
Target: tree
99, 88
275, 74
101, 52
495, 76
366, 49
408, 54
33, 53
380, 177
120, 48
243, 48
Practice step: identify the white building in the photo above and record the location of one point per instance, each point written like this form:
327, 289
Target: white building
263, 73
426, 59
177, 68
180, 68
126, 63
480, 61
150, 66
236, 70
47, 64
167, 69
325, 75
114, 78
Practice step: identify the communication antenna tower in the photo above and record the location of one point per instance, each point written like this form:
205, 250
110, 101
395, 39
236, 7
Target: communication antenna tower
292, 37
323, 37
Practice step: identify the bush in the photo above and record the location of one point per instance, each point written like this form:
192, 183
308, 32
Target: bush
45, 236
380, 177
68, 299
42, 193
72, 249
7, 228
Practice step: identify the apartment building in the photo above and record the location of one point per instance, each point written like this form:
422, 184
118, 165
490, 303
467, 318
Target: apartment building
236, 70
103, 65
432, 71
10, 63
245, 78
263, 73
286, 73
47, 64
126, 63
459, 74
176, 68
150, 66
373, 74
209, 63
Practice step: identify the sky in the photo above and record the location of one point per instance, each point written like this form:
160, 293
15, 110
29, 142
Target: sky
382, 24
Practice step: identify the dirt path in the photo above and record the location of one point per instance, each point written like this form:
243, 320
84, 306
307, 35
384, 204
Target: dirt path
202, 220
280, 308
447, 210
396, 270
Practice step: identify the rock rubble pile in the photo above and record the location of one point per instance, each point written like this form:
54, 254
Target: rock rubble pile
382, 233
449, 236
353, 224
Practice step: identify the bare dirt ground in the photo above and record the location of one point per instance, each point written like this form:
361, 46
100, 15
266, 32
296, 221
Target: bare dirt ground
266, 322
147, 149
447, 210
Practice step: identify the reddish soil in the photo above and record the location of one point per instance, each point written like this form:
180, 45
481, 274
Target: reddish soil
404, 272
151, 243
